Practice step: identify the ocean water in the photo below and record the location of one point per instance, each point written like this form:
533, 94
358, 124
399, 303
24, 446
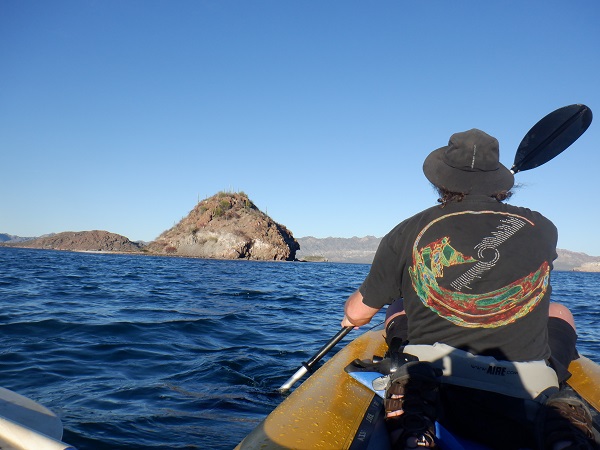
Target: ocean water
143, 352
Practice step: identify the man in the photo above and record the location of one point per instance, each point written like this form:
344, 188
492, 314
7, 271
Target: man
473, 274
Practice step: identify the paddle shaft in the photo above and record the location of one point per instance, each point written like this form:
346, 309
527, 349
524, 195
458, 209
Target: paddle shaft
307, 366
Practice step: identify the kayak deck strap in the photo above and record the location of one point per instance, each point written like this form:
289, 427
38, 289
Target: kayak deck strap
366, 429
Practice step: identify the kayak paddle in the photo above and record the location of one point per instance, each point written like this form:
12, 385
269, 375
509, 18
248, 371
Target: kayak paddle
551, 136
307, 366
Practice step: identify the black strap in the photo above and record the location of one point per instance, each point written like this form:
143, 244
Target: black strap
366, 430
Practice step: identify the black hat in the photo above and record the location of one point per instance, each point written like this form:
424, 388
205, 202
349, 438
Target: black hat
469, 164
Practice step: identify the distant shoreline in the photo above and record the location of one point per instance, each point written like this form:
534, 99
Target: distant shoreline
587, 267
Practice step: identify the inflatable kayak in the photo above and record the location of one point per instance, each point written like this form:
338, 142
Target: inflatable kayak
332, 410
27, 425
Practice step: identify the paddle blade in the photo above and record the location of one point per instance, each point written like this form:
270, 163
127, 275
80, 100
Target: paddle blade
551, 136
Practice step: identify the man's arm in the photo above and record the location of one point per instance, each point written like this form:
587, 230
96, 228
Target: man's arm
356, 313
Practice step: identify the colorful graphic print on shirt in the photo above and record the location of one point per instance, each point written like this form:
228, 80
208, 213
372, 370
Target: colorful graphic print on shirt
492, 309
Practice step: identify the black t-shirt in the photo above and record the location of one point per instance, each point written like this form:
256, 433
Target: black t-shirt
474, 275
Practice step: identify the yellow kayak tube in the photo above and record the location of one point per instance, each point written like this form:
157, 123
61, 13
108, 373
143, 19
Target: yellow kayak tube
333, 411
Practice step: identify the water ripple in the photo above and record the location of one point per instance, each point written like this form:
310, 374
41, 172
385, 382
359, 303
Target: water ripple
144, 352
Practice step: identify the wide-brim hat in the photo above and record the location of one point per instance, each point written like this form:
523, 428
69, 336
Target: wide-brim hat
469, 164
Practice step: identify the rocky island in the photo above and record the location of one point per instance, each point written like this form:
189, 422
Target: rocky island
224, 226
227, 226
82, 241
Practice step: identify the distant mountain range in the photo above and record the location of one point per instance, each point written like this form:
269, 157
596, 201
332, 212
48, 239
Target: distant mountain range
13, 239
362, 250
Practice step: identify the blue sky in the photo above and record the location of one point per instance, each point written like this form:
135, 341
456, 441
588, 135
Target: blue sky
120, 115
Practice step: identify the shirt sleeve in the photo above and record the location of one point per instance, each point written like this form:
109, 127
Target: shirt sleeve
383, 283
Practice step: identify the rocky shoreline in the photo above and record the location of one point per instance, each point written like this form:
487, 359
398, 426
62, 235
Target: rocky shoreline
229, 226
339, 250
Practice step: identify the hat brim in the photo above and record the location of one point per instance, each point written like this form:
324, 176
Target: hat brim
468, 182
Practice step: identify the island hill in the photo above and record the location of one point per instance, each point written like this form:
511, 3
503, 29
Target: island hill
227, 226
224, 226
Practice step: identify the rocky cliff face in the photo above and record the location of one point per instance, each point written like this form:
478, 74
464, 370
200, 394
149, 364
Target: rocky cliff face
93, 241
227, 226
